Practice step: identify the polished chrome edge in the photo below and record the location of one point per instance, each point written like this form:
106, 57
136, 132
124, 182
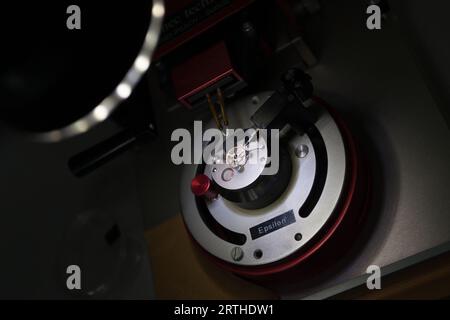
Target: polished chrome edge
122, 91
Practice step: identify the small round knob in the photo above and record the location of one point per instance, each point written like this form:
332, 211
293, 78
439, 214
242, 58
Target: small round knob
201, 186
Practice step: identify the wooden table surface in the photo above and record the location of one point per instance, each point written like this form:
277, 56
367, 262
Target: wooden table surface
180, 271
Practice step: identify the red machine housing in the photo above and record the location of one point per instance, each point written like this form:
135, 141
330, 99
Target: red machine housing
186, 19
336, 237
202, 73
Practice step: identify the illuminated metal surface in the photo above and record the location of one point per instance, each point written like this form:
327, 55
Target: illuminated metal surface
281, 243
240, 158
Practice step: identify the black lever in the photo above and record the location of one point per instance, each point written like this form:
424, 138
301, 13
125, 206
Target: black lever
286, 105
99, 154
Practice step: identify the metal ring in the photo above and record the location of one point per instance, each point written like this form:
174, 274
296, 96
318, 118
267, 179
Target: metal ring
122, 91
291, 199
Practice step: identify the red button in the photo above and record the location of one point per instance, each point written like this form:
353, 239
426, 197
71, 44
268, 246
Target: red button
201, 186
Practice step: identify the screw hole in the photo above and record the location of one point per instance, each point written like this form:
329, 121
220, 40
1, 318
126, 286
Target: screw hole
298, 236
258, 254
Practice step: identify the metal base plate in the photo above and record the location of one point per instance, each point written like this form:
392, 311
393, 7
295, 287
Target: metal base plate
273, 246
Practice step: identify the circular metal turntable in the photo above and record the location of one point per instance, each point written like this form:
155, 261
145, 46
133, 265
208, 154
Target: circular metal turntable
256, 224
